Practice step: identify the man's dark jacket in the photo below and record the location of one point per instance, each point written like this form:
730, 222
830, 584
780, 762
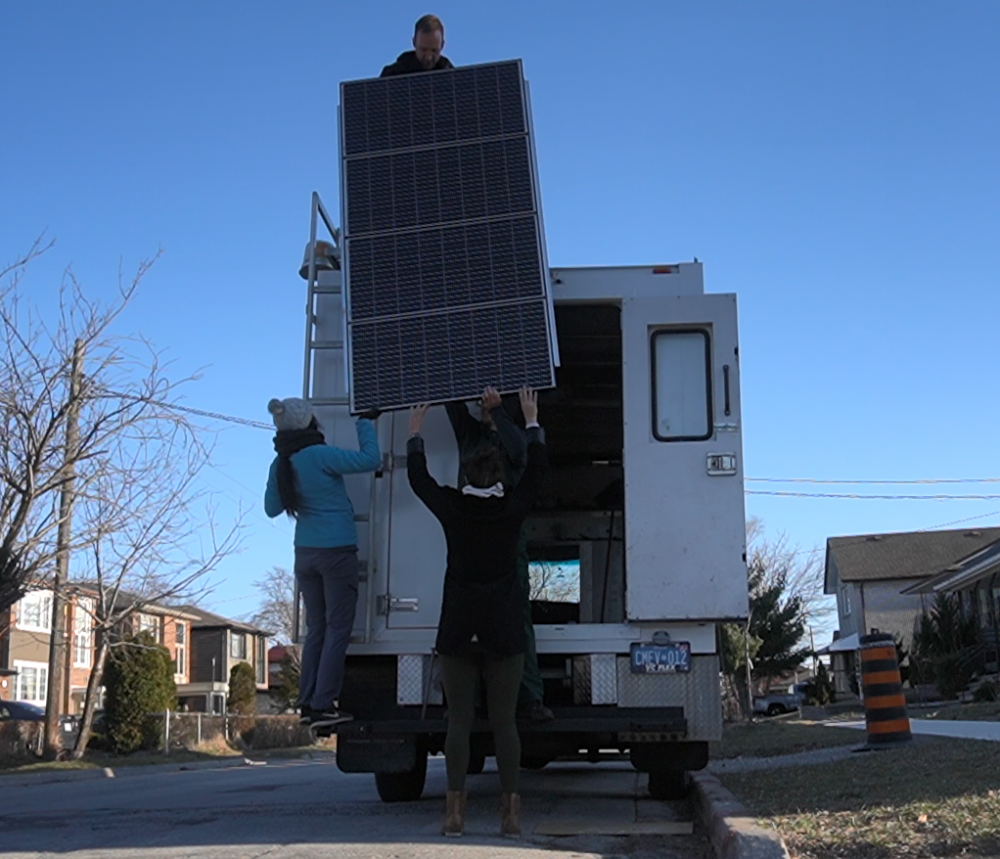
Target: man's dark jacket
408, 64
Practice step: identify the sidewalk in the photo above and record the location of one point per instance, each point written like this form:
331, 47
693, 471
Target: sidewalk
944, 728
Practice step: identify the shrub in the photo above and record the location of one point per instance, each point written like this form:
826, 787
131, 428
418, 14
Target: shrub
987, 693
242, 699
242, 690
139, 681
19, 741
278, 732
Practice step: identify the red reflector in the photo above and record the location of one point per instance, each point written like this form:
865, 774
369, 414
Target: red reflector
665, 269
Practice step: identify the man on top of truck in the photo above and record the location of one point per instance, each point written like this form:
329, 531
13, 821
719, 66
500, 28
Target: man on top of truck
495, 428
428, 42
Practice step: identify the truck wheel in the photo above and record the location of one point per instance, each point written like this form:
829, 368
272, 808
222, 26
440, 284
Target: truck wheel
477, 761
775, 710
668, 784
535, 763
405, 786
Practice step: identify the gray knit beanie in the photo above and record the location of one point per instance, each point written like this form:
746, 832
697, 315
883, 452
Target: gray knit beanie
291, 413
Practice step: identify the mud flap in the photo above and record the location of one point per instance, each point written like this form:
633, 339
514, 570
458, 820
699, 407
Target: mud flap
364, 753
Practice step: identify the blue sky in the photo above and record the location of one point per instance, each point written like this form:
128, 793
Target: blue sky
833, 164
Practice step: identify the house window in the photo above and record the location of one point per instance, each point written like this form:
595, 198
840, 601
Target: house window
985, 616
180, 655
845, 594
682, 385
34, 612
31, 683
261, 666
83, 632
151, 623
238, 645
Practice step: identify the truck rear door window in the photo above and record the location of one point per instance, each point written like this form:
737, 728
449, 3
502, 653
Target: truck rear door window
682, 384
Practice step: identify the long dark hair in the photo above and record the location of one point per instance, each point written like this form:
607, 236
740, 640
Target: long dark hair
483, 467
287, 489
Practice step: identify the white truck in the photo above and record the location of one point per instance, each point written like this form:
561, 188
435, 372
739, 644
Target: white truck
644, 503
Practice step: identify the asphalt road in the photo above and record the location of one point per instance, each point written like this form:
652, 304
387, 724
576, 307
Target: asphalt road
300, 809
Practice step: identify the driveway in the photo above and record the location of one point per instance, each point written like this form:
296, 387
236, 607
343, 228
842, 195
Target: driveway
299, 809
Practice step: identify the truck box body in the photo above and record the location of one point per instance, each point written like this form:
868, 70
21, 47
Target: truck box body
644, 498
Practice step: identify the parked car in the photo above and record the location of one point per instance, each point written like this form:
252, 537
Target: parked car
775, 705
24, 711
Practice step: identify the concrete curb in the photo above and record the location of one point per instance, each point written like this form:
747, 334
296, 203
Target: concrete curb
731, 829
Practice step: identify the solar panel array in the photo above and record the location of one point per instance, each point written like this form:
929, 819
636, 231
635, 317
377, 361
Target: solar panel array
444, 266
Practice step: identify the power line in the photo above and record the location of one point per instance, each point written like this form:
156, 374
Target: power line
877, 482
219, 416
856, 497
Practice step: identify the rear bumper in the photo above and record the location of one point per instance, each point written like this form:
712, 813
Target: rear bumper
667, 721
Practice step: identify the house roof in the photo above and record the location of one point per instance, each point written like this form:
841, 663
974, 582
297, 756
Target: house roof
904, 555
209, 620
125, 597
970, 570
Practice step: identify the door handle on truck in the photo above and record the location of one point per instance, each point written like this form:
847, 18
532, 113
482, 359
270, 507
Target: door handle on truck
725, 383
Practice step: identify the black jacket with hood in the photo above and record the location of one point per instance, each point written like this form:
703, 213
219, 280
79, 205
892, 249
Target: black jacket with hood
408, 64
482, 595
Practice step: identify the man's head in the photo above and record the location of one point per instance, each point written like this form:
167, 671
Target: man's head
428, 41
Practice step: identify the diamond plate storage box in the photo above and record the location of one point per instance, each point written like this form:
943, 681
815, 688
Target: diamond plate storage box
699, 692
595, 679
446, 279
411, 680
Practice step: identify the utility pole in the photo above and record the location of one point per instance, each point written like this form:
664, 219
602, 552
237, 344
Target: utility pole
812, 646
56, 690
749, 667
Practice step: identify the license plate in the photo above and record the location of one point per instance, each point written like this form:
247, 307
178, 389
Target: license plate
674, 658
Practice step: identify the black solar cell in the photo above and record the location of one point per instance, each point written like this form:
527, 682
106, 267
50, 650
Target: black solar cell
444, 267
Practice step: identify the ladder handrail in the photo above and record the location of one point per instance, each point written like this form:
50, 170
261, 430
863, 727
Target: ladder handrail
318, 213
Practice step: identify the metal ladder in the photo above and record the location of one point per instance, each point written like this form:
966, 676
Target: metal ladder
312, 346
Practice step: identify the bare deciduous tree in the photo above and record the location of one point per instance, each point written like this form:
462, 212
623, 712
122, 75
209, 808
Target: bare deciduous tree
276, 610
551, 582
139, 536
801, 570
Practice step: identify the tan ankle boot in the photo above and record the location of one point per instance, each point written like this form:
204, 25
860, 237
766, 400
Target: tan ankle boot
510, 825
454, 814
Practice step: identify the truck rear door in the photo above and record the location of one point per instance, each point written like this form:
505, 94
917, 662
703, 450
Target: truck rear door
685, 541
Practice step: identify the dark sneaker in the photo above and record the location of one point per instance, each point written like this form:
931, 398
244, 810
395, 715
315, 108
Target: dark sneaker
329, 718
536, 711
305, 715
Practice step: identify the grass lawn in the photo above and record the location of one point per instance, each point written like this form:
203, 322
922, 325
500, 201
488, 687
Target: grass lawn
766, 739
934, 797
984, 712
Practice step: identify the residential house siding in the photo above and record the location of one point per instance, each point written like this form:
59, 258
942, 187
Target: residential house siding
208, 663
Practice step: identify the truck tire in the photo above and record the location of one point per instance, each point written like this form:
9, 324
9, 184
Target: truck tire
668, 784
775, 710
477, 762
534, 763
405, 786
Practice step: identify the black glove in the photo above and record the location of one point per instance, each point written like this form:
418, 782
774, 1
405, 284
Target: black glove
371, 415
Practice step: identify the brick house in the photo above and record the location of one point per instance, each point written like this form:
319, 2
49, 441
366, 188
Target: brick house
26, 634
217, 644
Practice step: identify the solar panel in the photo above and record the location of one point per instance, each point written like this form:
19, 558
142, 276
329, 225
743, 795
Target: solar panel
444, 259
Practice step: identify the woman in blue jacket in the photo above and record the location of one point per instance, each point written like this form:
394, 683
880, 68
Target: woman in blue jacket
306, 482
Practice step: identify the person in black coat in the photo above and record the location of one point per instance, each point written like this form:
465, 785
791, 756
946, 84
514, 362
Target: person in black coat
428, 42
482, 600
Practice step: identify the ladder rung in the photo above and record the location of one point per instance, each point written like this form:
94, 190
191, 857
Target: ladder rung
330, 401
326, 344
360, 517
327, 290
